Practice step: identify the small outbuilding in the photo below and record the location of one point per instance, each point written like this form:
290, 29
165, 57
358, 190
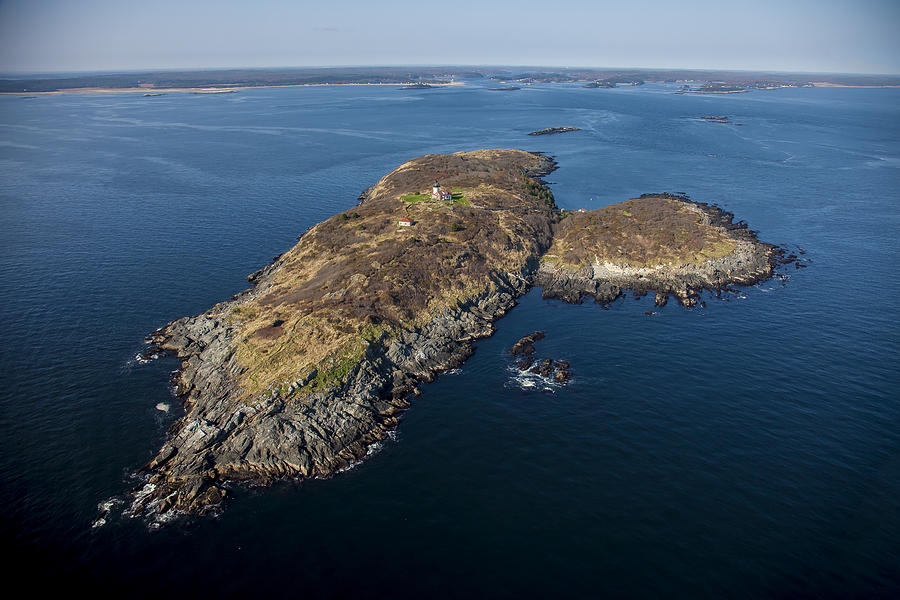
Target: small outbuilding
404, 222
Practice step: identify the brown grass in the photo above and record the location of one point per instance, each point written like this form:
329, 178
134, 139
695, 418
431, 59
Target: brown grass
359, 274
641, 232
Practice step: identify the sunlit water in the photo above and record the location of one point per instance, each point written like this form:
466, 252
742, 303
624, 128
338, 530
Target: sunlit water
747, 449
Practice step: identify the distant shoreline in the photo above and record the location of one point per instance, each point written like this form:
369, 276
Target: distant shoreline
202, 90
844, 85
235, 80
239, 88
711, 91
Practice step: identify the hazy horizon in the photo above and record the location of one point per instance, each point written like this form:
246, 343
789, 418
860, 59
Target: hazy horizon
428, 66
804, 36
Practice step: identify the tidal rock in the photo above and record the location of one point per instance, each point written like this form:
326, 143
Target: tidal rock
562, 376
526, 344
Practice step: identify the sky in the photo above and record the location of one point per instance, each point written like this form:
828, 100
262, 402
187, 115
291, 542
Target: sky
828, 36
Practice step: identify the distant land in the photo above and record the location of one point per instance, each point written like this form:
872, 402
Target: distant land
694, 81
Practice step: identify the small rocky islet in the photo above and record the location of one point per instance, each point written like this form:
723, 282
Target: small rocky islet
299, 375
719, 119
549, 368
553, 130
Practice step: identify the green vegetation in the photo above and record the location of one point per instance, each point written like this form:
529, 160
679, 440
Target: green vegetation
417, 197
336, 368
538, 190
457, 198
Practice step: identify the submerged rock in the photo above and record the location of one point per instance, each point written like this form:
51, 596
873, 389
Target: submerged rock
525, 363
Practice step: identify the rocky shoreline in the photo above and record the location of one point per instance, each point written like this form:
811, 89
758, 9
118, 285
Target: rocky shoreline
313, 426
216, 443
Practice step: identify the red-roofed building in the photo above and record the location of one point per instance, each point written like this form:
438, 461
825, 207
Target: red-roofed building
404, 222
438, 194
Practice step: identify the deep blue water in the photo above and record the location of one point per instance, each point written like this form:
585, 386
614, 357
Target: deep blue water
748, 449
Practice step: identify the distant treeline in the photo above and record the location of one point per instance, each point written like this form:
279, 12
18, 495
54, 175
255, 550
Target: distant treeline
231, 78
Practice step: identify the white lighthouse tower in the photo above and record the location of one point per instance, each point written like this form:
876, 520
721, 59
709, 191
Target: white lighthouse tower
436, 191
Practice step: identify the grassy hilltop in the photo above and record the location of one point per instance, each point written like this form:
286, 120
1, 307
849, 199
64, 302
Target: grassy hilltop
642, 232
360, 275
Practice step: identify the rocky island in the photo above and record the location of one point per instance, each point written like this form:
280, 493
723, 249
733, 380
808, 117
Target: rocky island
663, 243
299, 375
552, 130
714, 87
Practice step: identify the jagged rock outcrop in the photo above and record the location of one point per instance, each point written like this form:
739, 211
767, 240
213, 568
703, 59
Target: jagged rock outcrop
525, 345
555, 370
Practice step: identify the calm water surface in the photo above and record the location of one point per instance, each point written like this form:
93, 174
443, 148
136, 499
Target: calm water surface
748, 449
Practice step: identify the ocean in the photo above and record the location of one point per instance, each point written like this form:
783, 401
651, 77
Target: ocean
747, 449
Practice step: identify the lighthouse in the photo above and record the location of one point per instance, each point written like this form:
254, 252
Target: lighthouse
436, 191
